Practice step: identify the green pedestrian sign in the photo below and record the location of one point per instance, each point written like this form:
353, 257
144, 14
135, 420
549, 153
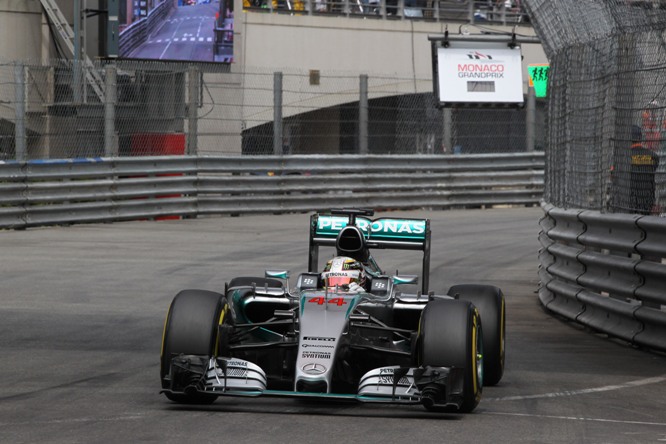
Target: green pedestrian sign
539, 78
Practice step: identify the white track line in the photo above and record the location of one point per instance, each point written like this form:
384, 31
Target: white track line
630, 384
578, 418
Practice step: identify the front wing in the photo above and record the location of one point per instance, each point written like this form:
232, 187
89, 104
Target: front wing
431, 386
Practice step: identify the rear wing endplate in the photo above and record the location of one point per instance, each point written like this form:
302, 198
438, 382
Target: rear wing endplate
381, 233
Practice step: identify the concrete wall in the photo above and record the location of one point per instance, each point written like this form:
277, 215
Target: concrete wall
24, 34
346, 46
353, 45
20, 30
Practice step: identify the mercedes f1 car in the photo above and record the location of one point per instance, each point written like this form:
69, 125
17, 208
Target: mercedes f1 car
327, 337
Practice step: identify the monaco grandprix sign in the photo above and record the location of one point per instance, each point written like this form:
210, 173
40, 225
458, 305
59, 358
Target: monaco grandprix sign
470, 73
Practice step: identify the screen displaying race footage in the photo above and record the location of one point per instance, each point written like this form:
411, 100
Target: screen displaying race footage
182, 30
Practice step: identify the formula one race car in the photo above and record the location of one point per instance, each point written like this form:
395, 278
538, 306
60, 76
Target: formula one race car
344, 333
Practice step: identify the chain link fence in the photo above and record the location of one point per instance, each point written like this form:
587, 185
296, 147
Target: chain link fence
128, 108
605, 139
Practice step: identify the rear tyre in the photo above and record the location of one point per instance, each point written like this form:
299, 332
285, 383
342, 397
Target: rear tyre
191, 328
490, 302
450, 336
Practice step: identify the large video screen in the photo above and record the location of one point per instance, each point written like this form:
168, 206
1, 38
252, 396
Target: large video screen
182, 30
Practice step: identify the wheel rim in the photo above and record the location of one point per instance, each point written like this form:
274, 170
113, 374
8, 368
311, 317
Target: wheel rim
502, 335
479, 356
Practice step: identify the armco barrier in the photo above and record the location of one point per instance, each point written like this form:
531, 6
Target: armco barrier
51, 192
606, 271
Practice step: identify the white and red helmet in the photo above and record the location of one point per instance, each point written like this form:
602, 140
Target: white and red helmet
342, 271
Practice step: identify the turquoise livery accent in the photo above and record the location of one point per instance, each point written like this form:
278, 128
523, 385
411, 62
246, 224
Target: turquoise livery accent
409, 230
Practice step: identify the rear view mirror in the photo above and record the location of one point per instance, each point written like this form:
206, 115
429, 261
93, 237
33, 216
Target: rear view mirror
405, 279
277, 274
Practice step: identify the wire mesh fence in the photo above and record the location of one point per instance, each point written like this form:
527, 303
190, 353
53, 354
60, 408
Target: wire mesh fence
127, 108
607, 88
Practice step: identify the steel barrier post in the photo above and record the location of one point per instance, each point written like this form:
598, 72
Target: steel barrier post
530, 119
193, 107
19, 110
277, 113
110, 145
447, 137
363, 115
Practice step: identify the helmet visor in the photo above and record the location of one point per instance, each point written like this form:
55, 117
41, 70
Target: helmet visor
338, 281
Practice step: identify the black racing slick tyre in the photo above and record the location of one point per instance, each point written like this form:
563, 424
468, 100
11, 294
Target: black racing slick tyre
191, 328
490, 302
450, 336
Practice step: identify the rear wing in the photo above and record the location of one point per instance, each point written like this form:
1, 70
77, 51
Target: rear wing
381, 233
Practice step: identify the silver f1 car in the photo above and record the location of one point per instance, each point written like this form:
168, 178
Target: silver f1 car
365, 341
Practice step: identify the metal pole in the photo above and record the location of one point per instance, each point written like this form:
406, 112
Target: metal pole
83, 52
110, 145
530, 119
19, 109
192, 110
112, 29
77, 51
277, 113
447, 137
363, 115
484, 38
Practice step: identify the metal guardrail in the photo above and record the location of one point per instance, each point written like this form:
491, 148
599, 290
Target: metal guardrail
461, 11
49, 192
606, 271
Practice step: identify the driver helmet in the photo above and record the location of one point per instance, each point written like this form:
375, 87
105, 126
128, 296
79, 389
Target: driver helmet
342, 271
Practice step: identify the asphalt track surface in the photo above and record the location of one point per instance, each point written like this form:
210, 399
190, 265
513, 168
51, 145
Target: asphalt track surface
82, 311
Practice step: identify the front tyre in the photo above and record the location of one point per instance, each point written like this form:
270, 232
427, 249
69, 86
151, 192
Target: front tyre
490, 302
450, 336
191, 328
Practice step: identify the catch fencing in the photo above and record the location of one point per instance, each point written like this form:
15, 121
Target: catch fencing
607, 103
606, 271
37, 193
49, 111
